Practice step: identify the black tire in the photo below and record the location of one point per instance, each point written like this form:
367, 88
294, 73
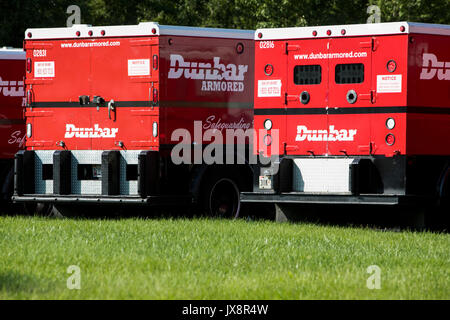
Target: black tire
221, 198
6, 191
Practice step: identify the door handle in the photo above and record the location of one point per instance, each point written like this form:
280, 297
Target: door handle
111, 107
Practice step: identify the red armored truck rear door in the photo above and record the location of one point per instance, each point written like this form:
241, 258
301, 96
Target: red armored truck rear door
126, 77
58, 73
328, 96
350, 98
307, 96
93, 87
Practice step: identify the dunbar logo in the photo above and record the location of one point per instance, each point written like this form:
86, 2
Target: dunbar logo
215, 76
303, 133
96, 132
431, 66
11, 88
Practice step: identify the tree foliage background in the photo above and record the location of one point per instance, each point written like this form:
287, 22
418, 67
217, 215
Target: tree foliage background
18, 15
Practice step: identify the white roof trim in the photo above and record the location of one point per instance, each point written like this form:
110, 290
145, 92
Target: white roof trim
368, 29
142, 29
12, 54
427, 28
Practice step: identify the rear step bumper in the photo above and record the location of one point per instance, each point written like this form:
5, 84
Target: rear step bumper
63, 174
175, 200
305, 198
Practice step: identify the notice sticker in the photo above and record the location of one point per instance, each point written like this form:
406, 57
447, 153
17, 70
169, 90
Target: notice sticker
44, 69
389, 83
139, 67
269, 88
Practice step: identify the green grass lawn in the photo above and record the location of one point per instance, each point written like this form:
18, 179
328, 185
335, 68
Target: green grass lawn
216, 259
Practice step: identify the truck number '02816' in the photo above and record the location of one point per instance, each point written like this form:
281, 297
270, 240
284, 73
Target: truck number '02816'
266, 45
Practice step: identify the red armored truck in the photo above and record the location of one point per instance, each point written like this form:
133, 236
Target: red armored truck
107, 105
12, 124
354, 114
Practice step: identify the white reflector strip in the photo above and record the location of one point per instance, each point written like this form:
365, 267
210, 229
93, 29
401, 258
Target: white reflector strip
321, 175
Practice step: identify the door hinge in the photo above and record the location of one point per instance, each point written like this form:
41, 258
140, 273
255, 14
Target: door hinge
368, 96
372, 44
289, 98
291, 47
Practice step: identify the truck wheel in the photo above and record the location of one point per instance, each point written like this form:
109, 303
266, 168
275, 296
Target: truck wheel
221, 198
439, 217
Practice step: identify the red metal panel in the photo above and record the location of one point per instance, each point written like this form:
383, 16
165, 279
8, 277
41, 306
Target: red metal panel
205, 80
329, 124
427, 134
126, 75
270, 89
306, 53
12, 128
129, 71
60, 74
353, 126
428, 94
120, 71
429, 70
390, 85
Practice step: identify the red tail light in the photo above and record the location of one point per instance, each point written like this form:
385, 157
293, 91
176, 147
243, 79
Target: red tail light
155, 96
155, 62
28, 65
391, 66
390, 139
268, 69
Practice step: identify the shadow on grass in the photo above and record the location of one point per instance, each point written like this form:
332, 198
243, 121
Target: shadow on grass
381, 218
16, 284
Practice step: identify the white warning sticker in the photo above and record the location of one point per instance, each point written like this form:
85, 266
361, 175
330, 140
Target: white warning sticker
389, 83
269, 88
139, 67
44, 69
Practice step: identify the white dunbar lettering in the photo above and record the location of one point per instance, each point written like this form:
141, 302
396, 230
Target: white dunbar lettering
332, 134
431, 66
215, 76
96, 132
11, 88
